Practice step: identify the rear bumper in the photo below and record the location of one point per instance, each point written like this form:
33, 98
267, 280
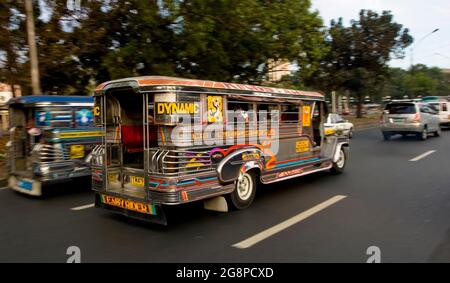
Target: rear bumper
402, 128
158, 216
60, 171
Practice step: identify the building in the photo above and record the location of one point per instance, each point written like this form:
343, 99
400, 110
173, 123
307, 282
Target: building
278, 69
6, 93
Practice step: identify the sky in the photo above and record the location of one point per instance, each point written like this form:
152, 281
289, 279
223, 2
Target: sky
420, 16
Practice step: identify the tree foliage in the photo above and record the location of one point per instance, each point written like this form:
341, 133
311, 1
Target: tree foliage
359, 54
229, 40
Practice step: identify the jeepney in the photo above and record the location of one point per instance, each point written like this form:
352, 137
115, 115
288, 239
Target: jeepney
50, 139
168, 141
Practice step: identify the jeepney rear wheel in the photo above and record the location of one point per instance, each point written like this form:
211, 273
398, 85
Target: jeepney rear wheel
245, 190
339, 166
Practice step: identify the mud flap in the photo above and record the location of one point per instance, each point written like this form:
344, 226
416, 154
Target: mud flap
218, 204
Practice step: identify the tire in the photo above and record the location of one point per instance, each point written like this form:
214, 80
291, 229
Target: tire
339, 166
423, 136
438, 133
242, 197
386, 136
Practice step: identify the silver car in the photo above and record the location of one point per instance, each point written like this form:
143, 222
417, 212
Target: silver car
410, 118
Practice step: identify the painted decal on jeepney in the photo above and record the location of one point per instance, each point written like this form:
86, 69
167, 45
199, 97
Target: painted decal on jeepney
170, 108
302, 146
84, 117
306, 116
43, 118
96, 111
290, 173
196, 182
250, 156
215, 109
73, 135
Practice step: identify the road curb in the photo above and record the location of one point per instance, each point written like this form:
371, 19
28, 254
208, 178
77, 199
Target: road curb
367, 127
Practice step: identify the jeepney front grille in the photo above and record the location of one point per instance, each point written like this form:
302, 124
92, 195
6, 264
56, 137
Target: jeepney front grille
175, 162
49, 153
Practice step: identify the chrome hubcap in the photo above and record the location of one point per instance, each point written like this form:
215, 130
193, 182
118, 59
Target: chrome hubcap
244, 187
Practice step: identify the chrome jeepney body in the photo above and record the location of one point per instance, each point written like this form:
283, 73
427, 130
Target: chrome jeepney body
50, 138
140, 167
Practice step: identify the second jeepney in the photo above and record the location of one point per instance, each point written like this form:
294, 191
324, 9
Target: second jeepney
169, 141
50, 139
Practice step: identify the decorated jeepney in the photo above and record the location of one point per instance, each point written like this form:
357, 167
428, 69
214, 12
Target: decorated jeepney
50, 139
168, 141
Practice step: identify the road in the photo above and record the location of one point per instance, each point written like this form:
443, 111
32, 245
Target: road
383, 199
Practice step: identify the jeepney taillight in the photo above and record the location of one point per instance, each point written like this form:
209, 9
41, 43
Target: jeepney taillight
416, 118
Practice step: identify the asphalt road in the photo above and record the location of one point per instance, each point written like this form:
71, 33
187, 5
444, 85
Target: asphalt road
400, 206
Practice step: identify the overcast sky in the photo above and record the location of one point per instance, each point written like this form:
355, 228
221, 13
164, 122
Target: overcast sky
420, 16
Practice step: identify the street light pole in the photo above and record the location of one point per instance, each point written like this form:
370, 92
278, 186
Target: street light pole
417, 44
35, 80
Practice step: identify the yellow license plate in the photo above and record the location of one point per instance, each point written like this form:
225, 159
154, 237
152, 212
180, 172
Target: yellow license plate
76, 151
137, 181
129, 205
113, 178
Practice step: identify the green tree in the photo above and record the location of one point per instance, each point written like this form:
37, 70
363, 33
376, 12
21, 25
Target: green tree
359, 54
233, 40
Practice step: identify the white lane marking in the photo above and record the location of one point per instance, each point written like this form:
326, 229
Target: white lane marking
83, 207
422, 156
286, 224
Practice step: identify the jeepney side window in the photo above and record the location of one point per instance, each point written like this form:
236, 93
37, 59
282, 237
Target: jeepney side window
290, 114
266, 112
239, 112
54, 117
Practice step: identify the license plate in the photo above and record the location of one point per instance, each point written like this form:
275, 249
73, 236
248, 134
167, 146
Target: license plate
129, 205
398, 120
76, 151
137, 181
25, 185
113, 178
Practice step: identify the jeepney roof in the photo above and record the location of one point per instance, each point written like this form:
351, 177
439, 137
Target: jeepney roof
144, 83
45, 100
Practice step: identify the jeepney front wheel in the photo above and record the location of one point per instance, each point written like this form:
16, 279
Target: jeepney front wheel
339, 166
245, 190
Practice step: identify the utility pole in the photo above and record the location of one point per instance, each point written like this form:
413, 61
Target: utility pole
35, 79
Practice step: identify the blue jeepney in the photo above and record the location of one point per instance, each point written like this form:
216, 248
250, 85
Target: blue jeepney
51, 138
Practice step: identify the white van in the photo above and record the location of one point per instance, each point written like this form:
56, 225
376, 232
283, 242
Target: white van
443, 106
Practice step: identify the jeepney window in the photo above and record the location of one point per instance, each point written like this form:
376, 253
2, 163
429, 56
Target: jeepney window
266, 111
239, 112
290, 114
54, 118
